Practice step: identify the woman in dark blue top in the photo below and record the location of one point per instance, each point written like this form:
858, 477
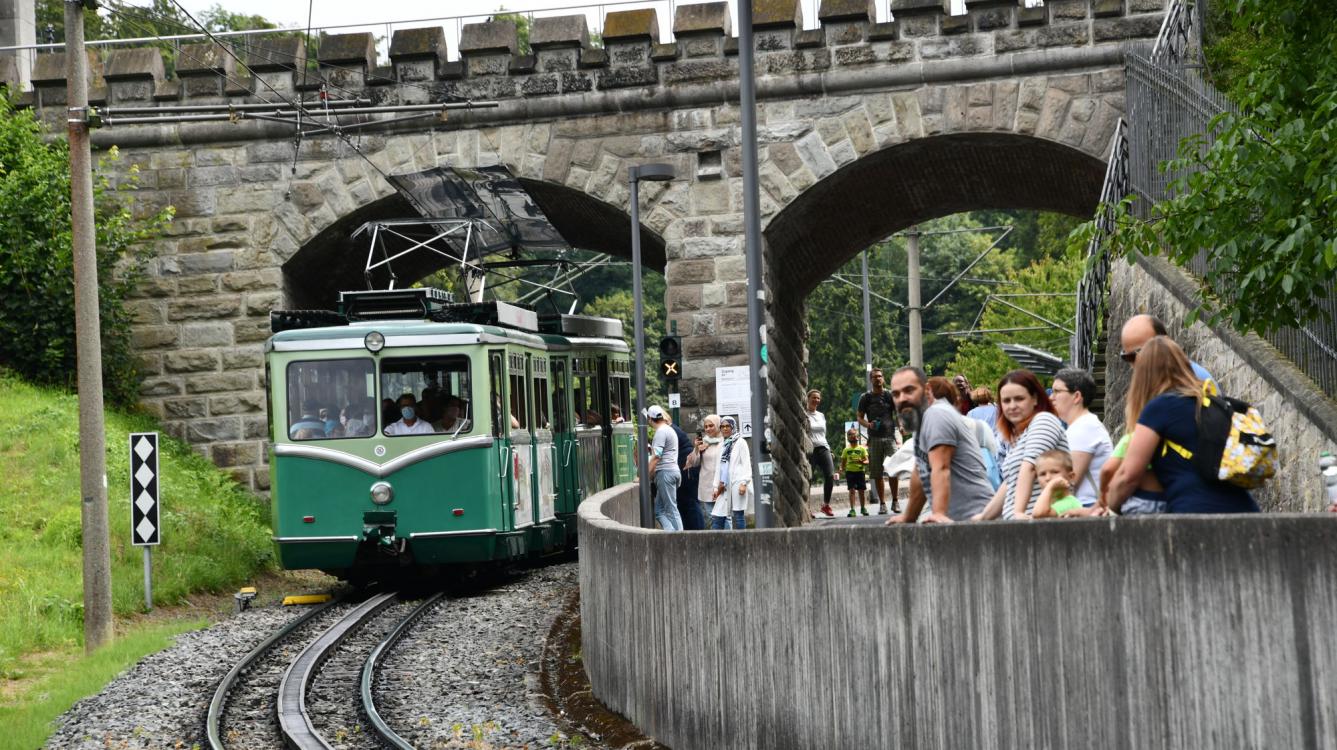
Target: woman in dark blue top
1163, 401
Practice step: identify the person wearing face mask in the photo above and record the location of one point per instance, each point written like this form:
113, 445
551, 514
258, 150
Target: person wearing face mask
409, 424
353, 425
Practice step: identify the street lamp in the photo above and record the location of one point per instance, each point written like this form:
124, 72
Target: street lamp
654, 173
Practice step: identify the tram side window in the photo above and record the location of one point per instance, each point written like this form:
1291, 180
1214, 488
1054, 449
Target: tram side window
519, 413
332, 398
542, 420
439, 390
560, 422
619, 386
587, 401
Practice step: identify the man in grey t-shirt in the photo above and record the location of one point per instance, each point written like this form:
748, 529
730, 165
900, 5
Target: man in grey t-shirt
950, 474
663, 469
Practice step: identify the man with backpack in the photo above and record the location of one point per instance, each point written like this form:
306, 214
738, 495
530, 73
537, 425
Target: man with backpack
950, 475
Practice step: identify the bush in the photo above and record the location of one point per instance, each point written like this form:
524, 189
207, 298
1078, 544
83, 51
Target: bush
37, 337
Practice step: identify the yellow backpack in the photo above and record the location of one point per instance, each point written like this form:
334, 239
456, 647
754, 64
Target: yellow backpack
1233, 443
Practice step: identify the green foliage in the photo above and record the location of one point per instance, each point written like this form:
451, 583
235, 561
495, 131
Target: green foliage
1058, 274
835, 307
214, 534
1261, 199
522, 23
37, 337
621, 305
29, 714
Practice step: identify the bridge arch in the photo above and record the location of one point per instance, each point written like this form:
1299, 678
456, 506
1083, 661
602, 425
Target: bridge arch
875, 196
320, 257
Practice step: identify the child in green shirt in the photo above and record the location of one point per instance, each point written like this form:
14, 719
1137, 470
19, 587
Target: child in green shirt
1053, 470
853, 460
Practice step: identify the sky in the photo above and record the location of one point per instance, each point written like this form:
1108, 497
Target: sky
452, 14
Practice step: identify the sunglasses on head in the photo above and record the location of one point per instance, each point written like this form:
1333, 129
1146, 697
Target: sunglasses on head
1130, 357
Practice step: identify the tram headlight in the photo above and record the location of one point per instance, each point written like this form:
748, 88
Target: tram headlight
374, 342
382, 493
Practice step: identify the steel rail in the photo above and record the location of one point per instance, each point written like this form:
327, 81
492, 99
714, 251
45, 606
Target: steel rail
382, 729
216, 705
294, 722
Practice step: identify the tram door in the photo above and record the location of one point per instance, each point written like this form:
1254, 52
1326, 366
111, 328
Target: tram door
608, 477
589, 425
545, 482
564, 439
624, 428
498, 403
521, 422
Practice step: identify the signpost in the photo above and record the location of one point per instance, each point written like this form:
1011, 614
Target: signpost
145, 529
733, 396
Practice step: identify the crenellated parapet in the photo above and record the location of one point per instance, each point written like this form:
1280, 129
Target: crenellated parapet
562, 61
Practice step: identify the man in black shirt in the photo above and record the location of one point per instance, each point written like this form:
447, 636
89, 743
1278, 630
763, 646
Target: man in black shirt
877, 414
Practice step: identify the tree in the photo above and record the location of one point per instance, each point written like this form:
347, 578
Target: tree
1260, 200
621, 305
1055, 276
37, 338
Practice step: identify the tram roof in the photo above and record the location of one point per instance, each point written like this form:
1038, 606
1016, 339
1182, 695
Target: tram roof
406, 333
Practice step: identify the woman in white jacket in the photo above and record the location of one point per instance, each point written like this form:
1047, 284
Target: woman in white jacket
733, 479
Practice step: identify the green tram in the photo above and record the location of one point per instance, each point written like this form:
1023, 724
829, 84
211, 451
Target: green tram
529, 430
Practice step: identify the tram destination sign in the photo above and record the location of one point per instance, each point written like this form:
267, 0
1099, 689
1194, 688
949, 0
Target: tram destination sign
145, 529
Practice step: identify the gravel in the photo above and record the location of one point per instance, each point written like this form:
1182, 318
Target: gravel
465, 676
162, 700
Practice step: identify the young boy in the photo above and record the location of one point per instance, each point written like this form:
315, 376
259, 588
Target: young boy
853, 460
1053, 470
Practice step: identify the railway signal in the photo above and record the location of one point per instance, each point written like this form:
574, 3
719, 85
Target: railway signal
670, 357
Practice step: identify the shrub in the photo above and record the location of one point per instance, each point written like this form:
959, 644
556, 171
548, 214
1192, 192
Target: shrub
37, 337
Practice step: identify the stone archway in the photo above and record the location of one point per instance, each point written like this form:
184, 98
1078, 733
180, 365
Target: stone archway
872, 198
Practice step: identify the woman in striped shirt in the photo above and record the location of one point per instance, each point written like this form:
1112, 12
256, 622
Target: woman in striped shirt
1027, 422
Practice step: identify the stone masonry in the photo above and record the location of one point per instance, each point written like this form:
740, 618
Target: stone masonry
1299, 415
865, 128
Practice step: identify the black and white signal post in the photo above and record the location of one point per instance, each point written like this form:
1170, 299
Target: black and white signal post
145, 529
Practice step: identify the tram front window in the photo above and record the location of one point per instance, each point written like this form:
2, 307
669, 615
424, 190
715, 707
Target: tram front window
438, 390
331, 399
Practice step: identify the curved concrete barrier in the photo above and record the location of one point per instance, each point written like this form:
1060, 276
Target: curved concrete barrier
1175, 632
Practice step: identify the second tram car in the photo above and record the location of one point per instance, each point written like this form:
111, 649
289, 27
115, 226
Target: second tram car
526, 429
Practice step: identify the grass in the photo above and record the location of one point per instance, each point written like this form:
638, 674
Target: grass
28, 723
214, 536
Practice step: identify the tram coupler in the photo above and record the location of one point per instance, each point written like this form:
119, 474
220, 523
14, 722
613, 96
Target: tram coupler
378, 529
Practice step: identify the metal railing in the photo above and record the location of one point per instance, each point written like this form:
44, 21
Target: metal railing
1093, 290
1168, 101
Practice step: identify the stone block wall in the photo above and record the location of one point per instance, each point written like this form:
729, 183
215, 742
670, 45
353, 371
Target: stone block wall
253, 215
1170, 632
1300, 416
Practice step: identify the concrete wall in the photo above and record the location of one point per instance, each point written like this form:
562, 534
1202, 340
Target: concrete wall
1183, 632
1301, 417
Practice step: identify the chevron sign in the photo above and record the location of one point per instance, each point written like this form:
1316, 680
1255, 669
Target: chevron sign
144, 528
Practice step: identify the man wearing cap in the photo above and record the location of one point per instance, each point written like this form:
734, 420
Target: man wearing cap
663, 469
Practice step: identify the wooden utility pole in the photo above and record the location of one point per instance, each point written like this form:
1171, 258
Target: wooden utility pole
88, 335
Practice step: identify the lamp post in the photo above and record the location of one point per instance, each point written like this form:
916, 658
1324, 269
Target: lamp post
656, 173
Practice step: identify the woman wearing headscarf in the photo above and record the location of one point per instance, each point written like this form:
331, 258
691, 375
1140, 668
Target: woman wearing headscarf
707, 456
733, 479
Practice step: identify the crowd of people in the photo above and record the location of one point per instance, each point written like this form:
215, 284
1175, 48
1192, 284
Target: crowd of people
1026, 450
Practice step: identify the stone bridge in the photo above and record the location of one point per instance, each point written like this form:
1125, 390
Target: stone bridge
865, 129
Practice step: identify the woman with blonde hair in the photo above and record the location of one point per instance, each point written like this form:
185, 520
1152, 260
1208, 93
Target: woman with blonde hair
1163, 403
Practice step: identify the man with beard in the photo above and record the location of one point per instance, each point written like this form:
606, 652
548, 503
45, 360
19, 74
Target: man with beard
950, 475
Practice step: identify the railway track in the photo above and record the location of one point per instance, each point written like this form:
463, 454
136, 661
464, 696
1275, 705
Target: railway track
328, 660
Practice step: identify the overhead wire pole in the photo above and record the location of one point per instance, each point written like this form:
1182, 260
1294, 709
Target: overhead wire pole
88, 338
867, 326
916, 310
756, 292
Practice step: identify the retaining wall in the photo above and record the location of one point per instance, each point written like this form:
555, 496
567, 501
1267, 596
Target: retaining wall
1302, 418
1184, 632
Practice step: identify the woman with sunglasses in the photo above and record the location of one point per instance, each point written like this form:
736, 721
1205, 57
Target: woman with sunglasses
1027, 422
1163, 403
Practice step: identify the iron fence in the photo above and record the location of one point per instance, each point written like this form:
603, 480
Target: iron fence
1168, 101
1093, 290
